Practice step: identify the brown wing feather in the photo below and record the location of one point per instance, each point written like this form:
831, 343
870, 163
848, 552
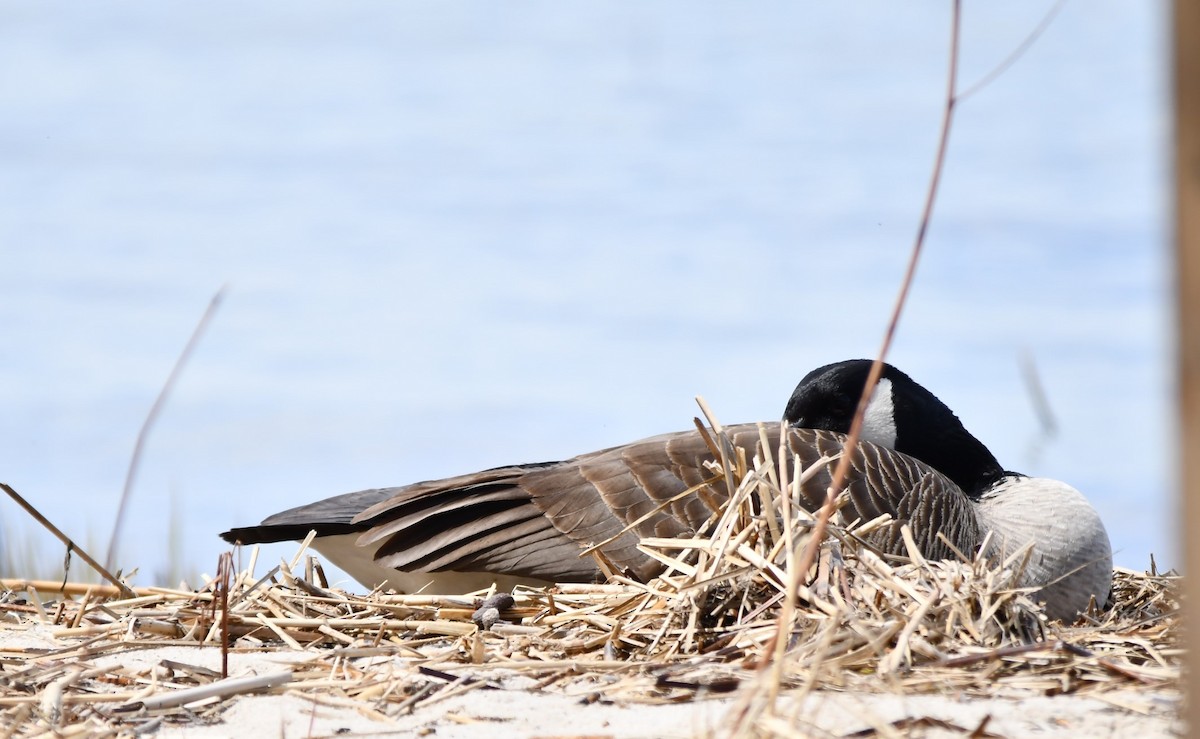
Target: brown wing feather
481, 522
881, 481
596, 497
532, 520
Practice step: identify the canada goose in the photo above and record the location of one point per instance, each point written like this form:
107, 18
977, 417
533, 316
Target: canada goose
528, 522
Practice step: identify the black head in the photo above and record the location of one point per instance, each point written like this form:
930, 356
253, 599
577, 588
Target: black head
901, 415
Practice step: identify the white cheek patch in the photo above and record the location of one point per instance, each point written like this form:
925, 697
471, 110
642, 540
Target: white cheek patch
879, 423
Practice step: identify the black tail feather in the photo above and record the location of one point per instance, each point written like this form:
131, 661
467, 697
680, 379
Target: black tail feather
286, 532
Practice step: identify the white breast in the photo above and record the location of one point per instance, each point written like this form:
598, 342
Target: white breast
1071, 549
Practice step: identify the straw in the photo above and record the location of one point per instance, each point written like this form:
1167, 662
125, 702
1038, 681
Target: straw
703, 629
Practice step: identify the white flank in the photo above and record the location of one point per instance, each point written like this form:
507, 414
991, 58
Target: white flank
359, 562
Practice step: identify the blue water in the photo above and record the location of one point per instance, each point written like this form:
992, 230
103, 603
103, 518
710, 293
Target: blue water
461, 236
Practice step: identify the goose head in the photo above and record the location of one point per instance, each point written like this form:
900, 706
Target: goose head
1071, 557
901, 415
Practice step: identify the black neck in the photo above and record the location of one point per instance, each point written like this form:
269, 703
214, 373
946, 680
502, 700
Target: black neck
944, 444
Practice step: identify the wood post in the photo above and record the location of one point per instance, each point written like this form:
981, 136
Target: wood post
1186, 93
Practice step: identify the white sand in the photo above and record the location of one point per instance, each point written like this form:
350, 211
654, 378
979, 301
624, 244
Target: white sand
518, 709
487, 714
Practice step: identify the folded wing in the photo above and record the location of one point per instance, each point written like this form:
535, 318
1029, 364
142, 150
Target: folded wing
533, 520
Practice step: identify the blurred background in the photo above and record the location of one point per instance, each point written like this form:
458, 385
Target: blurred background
461, 236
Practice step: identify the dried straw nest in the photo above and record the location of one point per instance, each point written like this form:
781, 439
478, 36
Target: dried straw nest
708, 626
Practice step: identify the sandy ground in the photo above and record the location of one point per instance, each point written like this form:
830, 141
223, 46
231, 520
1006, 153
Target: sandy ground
517, 713
515, 707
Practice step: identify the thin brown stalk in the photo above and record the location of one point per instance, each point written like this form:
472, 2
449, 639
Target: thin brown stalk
1016, 54
786, 615
136, 458
71, 545
223, 582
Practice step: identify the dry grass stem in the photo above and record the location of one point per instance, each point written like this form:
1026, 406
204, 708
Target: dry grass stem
705, 628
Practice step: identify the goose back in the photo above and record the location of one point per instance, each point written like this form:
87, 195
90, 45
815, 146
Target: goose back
533, 520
